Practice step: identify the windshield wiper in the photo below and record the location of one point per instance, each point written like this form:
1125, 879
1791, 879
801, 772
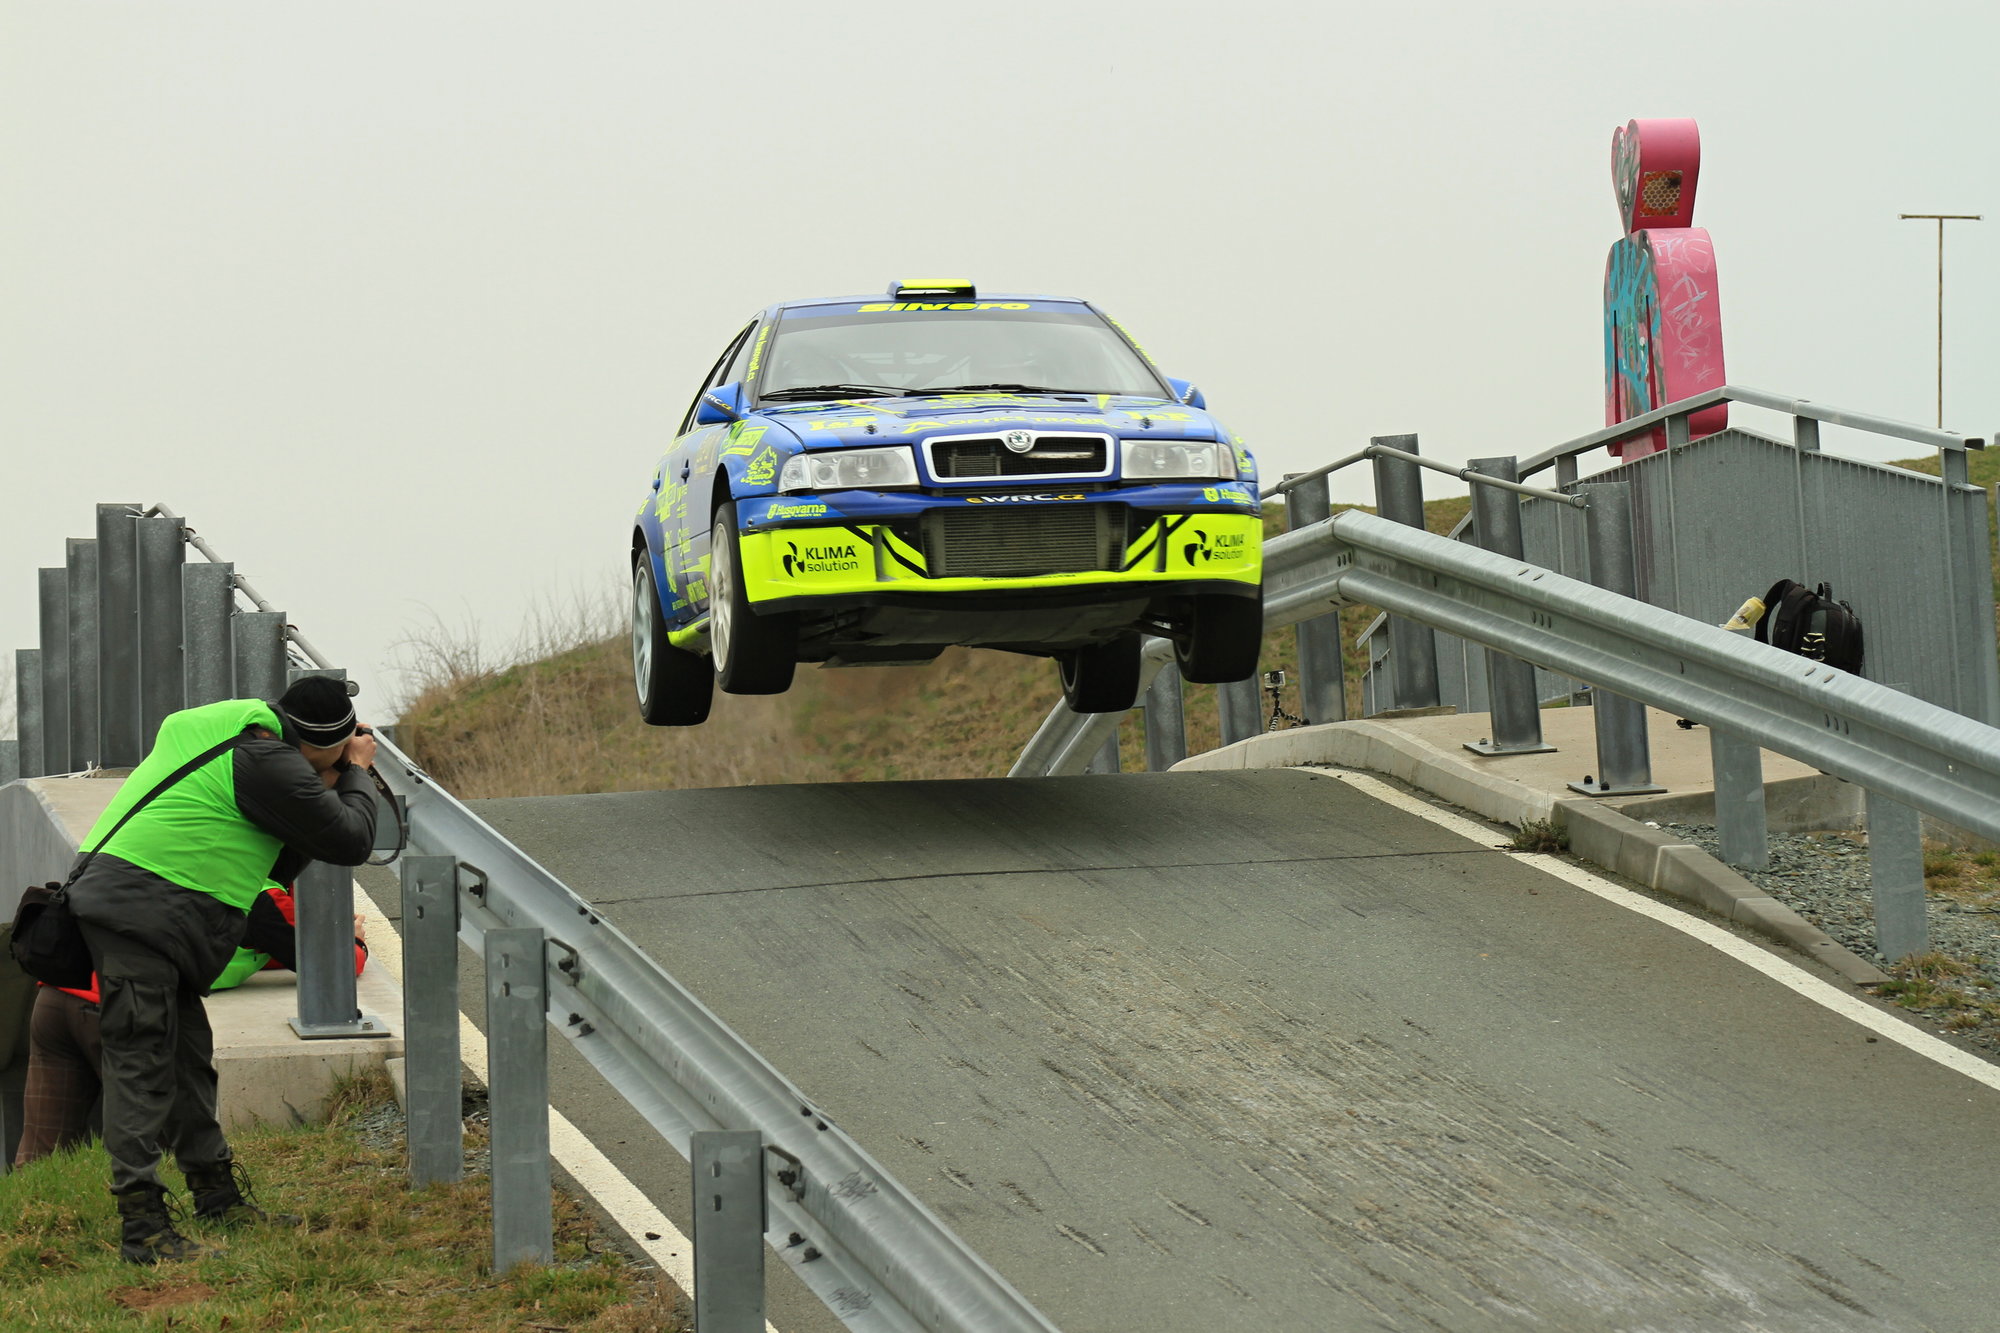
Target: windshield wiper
832, 391
1014, 388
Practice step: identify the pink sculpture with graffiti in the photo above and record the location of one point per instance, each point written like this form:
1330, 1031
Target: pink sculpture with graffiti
1662, 323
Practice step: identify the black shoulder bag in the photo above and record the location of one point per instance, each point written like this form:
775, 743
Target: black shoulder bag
47, 942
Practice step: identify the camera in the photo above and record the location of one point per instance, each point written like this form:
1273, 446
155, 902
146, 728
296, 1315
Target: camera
1274, 680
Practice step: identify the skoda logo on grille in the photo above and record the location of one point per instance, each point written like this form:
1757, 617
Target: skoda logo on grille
1018, 441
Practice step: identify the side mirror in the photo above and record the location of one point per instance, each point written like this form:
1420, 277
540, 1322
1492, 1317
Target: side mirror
1185, 392
720, 406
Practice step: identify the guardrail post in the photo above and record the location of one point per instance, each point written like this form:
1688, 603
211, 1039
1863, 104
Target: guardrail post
325, 903
54, 589
1740, 824
28, 710
1166, 722
1399, 497
430, 1019
1513, 704
1241, 710
118, 636
257, 647
85, 742
1624, 757
10, 761
1968, 579
729, 1224
208, 666
1106, 758
517, 1036
1896, 873
1322, 671
161, 555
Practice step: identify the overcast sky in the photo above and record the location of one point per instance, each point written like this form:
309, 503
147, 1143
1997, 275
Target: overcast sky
398, 303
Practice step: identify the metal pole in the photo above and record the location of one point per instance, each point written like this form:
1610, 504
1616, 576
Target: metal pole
1241, 710
118, 636
1940, 219
1106, 758
85, 740
1740, 823
729, 1224
1624, 757
1896, 871
54, 588
1514, 706
28, 710
436, 1132
257, 643
1322, 672
1399, 497
517, 1037
1166, 722
161, 554
207, 599
10, 761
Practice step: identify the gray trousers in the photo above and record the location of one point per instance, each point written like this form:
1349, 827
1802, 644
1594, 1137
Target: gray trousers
158, 1064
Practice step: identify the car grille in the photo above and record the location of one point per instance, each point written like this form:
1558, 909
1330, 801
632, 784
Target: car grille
1015, 541
1052, 455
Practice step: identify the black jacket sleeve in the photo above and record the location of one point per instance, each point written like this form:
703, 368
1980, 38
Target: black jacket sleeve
277, 790
268, 932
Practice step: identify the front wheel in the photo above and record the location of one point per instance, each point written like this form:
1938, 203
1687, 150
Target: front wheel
1225, 635
753, 654
675, 686
1102, 678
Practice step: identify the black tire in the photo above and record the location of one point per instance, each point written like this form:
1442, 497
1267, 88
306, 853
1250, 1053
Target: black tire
1103, 678
1225, 636
753, 654
675, 686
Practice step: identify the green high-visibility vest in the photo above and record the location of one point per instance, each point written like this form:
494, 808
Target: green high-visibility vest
192, 834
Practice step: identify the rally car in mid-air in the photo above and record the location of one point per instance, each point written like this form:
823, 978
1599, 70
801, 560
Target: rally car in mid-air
871, 480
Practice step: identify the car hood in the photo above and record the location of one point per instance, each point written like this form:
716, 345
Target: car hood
880, 420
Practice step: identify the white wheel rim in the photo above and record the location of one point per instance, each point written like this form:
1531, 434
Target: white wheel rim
642, 630
721, 575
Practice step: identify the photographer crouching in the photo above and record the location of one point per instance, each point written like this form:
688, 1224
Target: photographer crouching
233, 794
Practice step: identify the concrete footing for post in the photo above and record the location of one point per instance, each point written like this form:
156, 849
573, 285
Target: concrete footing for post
1426, 753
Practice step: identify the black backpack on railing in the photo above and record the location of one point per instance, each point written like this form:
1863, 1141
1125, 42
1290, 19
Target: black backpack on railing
1810, 623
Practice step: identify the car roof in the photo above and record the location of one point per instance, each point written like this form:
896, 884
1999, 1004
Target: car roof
870, 298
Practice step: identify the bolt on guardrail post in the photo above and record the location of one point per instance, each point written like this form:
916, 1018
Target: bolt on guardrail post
257, 652
325, 901
1896, 874
430, 1019
1106, 758
1242, 713
162, 552
1513, 705
1399, 497
207, 599
28, 711
85, 742
729, 1225
1322, 673
118, 636
517, 1035
1624, 756
1166, 722
1740, 824
54, 589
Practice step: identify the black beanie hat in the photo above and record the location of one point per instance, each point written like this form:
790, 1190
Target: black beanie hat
319, 710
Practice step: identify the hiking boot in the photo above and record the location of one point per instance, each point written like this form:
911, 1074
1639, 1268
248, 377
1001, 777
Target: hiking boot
149, 1235
222, 1194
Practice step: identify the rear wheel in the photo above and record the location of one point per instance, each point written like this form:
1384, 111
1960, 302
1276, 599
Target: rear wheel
753, 654
1225, 635
675, 686
1102, 678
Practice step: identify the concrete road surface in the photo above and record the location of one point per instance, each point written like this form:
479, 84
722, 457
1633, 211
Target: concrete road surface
1253, 1050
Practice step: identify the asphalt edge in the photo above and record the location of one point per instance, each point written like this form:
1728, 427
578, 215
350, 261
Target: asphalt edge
1597, 833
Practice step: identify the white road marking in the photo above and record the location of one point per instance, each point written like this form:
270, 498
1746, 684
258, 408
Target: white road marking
1785, 973
590, 1168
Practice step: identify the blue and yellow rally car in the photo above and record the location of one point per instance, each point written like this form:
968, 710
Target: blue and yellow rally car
868, 481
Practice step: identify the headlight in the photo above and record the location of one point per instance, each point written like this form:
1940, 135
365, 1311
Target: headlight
1164, 459
848, 469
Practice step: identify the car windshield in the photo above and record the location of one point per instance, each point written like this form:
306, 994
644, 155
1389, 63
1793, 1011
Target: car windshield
1068, 349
